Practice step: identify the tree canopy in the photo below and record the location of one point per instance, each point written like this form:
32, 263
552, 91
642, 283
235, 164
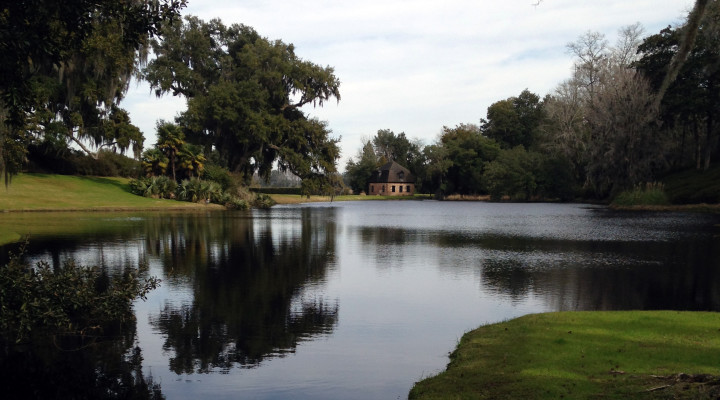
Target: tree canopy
245, 95
66, 66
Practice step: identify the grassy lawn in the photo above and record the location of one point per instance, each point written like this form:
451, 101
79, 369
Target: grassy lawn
41, 192
585, 355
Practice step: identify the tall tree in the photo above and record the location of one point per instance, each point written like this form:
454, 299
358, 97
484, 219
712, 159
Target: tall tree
514, 121
245, 95
591, 58
625, 148
691, 102
468, 152
358, 171
72, 58
170, 141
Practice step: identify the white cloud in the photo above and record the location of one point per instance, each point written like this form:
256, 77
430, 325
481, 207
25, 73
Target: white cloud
415, 66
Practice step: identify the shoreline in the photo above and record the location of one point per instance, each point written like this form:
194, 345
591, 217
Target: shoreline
584, 354
189, 207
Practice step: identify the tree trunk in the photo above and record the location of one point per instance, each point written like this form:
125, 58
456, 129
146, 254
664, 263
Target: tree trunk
691, 32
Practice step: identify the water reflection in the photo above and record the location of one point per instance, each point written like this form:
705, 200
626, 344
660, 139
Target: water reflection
249, 280
242, 291
581, 259
77, 368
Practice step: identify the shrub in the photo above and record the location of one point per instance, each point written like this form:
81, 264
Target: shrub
237, 203
159, 187
263, 201
73, 300
220, 175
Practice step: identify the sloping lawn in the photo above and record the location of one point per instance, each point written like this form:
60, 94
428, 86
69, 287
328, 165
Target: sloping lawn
585, 355
41, 192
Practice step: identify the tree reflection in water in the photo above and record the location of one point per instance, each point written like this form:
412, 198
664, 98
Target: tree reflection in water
250, 279
71, 368
572, 274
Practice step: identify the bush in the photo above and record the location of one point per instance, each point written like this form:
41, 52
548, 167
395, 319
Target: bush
220, 175
236, 203
263, 201
42, 302
650, 194
158, 187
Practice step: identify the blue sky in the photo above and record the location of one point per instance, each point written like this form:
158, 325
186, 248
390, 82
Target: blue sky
415, 66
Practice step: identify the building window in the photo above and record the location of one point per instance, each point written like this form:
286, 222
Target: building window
408, 189
382, 188
400, 188
393, 188
372, 189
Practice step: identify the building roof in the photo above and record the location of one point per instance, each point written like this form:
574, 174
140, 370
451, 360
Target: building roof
392, 172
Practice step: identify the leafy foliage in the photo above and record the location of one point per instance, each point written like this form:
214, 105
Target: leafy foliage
42, 302
468, 152
514, 121
66, 66
245, 95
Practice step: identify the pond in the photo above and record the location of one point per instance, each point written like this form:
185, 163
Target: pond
359, 300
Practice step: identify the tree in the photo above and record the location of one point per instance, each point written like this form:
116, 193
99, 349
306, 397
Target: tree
358, 172
625, 149
692, 101
170, 141
245, 95
514, 121
434, 179
398, 148
191, 160
591, 53
70, 61
566, 131
602, 121
689, 35
465, 153
44, 37
511, 174
154, 162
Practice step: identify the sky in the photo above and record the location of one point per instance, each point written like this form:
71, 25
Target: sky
414, 66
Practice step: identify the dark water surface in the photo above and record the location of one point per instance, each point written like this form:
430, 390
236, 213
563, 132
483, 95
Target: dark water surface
359, 300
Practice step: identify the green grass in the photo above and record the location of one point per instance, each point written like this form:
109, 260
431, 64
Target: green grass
650, 194
583, 355
41, 192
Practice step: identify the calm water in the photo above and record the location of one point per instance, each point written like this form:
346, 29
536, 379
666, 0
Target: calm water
359, 300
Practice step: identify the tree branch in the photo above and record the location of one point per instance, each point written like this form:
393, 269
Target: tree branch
82, 146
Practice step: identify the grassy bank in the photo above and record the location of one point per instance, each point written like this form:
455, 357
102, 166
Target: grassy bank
581, 355
297, 199
41, 192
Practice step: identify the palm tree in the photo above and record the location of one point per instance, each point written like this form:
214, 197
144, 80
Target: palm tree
171, 140
191, 160
154, 162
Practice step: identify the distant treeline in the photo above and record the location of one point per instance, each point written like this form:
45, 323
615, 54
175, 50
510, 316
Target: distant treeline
616, 124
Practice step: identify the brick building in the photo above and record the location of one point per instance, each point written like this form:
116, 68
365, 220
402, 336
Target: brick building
392, 179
